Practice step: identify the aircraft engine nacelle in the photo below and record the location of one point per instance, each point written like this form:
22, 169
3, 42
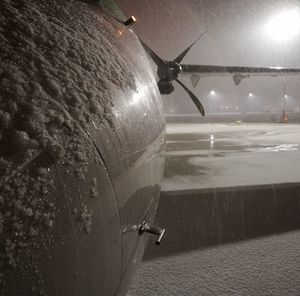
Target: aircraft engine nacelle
81, 135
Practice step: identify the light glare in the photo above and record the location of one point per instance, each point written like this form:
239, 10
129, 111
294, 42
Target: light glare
285, 26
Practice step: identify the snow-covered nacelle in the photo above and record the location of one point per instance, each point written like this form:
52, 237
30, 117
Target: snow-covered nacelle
81, 134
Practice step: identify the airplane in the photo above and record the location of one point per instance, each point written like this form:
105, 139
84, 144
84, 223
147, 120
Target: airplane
82, 131
82, 135
169, 71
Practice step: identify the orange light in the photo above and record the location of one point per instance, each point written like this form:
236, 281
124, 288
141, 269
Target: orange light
130, 21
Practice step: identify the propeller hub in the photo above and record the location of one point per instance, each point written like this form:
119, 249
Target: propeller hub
165, 87
169, 72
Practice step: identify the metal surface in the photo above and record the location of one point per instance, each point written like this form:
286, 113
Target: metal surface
93, 246
64, 260
227, 70
153, 229
237, 73
131, 147
132, 152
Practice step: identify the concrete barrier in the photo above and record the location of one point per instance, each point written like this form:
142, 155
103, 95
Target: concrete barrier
202, 218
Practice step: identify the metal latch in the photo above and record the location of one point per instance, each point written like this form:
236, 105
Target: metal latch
147, 227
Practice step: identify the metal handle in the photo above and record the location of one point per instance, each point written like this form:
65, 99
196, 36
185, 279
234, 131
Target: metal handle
146, 227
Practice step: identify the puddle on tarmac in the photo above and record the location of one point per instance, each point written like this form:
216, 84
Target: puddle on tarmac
204, 146
194, 137
180, 166
273, 148
186, 137
212, 143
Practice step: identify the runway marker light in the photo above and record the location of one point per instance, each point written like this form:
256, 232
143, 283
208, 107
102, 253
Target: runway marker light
212, 141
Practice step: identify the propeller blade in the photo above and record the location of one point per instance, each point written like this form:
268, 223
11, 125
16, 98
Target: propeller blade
157, 60
183, 54
193, 97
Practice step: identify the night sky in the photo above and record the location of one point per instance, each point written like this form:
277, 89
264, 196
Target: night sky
236, 36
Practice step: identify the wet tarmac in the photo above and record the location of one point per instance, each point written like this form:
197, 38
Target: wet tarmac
231, 209
218, 155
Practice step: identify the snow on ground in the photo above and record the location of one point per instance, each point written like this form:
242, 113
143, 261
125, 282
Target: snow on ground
265, 266
221, 155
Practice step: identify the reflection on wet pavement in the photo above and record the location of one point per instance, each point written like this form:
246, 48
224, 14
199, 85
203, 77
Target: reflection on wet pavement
177, 142
232, 155
181, 166
274, 148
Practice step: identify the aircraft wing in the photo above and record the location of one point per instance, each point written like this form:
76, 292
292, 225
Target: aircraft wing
237, 73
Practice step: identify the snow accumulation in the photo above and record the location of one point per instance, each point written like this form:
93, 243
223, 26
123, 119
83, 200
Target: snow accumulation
57, 64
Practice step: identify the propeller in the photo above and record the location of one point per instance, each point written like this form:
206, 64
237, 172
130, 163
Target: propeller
168, 71
183, 54
157, 60
193, 97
